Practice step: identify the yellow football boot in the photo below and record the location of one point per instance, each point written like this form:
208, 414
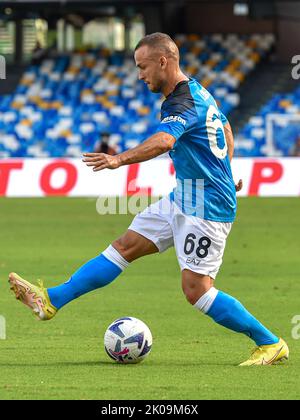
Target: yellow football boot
268, 355
36, 297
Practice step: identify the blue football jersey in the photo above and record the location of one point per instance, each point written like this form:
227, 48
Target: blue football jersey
205, 186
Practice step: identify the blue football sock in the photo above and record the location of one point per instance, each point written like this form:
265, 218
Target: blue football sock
230, 313
96, 273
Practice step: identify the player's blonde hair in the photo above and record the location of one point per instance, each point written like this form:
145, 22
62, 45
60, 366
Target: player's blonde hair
160, 42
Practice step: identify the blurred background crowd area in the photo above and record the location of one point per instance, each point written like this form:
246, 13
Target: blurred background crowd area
70, 83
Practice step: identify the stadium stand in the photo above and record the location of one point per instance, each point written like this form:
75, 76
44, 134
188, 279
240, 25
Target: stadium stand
62, 106
281, 116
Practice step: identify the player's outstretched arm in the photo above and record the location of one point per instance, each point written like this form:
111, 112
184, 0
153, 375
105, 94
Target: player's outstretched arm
154, 146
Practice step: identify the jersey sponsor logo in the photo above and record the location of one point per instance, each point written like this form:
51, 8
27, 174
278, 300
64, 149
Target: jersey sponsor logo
173, 118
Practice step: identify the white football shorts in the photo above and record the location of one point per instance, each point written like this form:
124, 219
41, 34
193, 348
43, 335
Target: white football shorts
199, 243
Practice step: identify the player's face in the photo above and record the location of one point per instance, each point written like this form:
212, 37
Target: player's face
150, 69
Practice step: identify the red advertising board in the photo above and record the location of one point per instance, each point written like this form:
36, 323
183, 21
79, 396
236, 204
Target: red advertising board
70, 177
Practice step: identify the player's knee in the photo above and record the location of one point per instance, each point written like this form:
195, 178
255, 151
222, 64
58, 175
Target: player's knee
133, 246
124, 247
192, 295
129, 246
194, 286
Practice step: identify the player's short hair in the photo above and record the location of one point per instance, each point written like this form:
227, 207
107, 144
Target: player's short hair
162, 42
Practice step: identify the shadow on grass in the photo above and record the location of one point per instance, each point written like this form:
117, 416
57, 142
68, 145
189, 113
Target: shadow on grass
103, 363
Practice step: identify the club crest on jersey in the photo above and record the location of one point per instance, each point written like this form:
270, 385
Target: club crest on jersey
174, 118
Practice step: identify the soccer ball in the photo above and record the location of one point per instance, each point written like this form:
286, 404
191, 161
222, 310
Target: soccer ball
128, 340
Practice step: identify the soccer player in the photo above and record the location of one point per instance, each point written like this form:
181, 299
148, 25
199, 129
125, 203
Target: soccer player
196, 217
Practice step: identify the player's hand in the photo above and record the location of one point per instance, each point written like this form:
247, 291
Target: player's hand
101, 161
239, 186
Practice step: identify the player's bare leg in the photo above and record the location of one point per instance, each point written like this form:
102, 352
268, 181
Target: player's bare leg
227, 311
96, 273
132, 246
195, 285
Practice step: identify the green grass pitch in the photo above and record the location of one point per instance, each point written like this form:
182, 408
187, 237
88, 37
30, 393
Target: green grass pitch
192, 357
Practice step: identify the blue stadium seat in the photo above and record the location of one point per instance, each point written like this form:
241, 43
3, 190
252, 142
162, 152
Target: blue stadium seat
285, 126
63, 105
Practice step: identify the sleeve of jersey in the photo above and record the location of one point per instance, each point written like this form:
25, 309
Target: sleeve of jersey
173, 124
223, 118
